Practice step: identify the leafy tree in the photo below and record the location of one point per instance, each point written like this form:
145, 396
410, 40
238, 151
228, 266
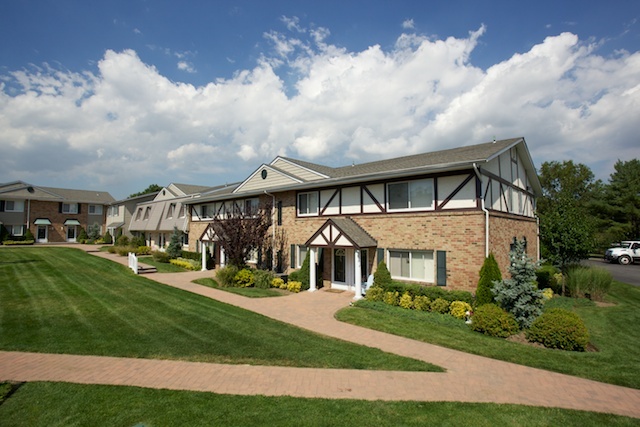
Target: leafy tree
153, 188
489, 273
623, 200
566, 211
240, 232
519, 295
174, 250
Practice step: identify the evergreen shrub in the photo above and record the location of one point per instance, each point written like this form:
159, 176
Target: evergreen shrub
459, 309
160, 256
122, 240
375, 293
382, 277
107, 239
391, 298
561, 329
422, 303
440, 305
138, 241
489, 319
489, 273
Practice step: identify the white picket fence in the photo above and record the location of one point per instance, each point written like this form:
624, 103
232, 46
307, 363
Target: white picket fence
133, 262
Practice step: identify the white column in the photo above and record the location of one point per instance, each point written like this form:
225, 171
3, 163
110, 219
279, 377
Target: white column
203, 248
223, 260
312, 269
358, 269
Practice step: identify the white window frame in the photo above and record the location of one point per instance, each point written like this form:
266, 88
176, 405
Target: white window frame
171, 210
313, 209
139, 214
113, 211
17, 206
412, 253
97, 209
147, 213
69, 208
12, 230
409, 206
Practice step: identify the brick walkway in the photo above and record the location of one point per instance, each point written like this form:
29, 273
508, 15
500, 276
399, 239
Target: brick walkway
468, 378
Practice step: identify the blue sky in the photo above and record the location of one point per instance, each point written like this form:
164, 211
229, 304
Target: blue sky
120, 94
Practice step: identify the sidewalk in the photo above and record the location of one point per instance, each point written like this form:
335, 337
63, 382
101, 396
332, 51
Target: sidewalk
469, 378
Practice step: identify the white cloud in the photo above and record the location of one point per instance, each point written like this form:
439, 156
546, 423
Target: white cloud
408, 24
186, 66
127, 125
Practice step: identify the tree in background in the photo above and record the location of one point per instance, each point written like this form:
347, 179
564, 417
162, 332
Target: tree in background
570, 197
242, 231
153, 188
623, 197
489, 273
174, 250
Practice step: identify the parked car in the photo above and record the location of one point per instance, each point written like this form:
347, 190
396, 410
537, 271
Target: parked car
627, 253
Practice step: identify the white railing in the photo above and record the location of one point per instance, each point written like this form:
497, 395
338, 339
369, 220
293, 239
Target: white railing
133, 262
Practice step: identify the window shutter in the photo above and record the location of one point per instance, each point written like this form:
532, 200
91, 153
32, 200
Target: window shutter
1, 205
442, 268
60, 207
380, 255
280, 213
79, 204
292, 256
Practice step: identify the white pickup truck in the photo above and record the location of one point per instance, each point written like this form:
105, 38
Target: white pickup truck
627, 253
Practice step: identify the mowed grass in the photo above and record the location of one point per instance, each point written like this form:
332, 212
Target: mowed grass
60, 404
613, 331
62, 300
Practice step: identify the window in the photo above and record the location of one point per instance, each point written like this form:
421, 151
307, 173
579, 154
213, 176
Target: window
15, 230
113, 211
139, 214
172, 208
14, 206
183, 211
412, 265
161, 240
411, 195
185, 239
95, 209
251, 206
147, 212
308, 203
70, 208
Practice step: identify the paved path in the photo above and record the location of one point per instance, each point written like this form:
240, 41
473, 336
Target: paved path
468, 378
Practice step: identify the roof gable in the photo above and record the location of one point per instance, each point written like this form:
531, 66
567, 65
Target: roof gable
266, 177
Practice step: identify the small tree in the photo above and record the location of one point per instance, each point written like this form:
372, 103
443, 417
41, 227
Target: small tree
107, 238
382, 277
174, 250
242, 231
82, 235
93, 231
489, 273
28, 235
519, 295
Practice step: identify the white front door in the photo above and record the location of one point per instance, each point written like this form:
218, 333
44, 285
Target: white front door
343, 266
71, 233
42, 234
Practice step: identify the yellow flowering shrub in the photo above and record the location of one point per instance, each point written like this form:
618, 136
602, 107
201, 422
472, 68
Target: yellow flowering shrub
374, 293
391, 298
440, 305
547, 293
422, 303
294, 286
277, 282
406, 301
458, 309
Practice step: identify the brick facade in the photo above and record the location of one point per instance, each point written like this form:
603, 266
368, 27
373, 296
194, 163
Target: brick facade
57, 230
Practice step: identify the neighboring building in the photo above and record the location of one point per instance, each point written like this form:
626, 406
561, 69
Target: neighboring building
156, 219
52, 214
433, 218
119, 214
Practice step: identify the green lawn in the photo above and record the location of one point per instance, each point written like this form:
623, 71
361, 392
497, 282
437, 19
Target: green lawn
245, 292
162, 267
62, 300
59, 404
613, 330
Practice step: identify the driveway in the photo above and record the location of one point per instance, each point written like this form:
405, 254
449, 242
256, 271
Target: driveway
622, 273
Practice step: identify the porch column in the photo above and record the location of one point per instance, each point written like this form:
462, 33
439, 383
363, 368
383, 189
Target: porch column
358, 270
312, 269
203, 248
223, 260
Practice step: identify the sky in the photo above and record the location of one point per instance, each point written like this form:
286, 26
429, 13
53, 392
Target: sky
117, 95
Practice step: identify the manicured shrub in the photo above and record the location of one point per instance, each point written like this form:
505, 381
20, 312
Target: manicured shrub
489, 319
122, 240
519, 295
454, 295
111, 249
226, 276
589, 282
174, 249
277, 282
545, 276
263, 279
188, 264
244, 278
82, 235
18, 242
107, 239
375, 293
422, 303
391, 298
440, 305
382, 277
161, 256
124, 250
143, 250
459, 309
561, 329
547, 294
294, 286
406, 301
93, 232
191, 255
489, 273
138, 241
28, 235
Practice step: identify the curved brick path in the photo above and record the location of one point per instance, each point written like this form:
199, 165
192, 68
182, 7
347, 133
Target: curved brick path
466, 379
